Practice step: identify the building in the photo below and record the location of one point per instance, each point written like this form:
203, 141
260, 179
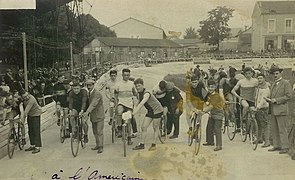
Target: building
273, 25
116, 50
244, 42
192, 47
133, 28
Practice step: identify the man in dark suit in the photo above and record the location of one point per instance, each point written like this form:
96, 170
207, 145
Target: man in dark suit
280, 94
96, 112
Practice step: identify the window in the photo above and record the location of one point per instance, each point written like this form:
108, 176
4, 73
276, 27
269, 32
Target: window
288, 25
271, 25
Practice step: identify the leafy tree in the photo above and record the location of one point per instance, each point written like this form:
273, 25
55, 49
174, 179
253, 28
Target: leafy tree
190, 33
215, 28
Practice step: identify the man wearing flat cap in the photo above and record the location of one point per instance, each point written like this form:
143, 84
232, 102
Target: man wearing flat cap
280, 94
96, 112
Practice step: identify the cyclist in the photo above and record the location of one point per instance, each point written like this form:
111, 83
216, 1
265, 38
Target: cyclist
110, 93
126, 94
60, 98
247, 88
78, 101
196, 94
16, 108
154, 113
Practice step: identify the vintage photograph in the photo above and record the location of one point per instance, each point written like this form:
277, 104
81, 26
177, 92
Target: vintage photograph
147, 90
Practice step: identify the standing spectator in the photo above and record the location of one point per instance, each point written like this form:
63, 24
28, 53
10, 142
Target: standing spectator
262, 108
20, 80
9, 80
243, 66
96, 112
33, 112
280, 94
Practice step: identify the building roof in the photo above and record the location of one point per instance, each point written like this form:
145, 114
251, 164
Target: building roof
277, 7
137, 21
132, 42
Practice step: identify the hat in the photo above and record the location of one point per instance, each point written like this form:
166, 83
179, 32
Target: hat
274, 69
90, 81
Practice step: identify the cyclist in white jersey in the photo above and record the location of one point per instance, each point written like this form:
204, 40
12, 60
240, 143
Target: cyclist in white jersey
247, 88
126, 94
110, 93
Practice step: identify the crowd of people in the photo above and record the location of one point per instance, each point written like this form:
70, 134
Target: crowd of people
207, 91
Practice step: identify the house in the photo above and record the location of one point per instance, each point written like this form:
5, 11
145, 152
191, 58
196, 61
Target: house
116, 50
272, 25
244, 40
192, 47
134, 28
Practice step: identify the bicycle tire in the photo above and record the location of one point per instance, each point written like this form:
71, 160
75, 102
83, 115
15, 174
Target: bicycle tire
81, 133
75, 143
253, 134
113, 130
197, 139
162, 130
124, 138
62, 133
11, 142
19, 136
191, 136
231, 129
244, 132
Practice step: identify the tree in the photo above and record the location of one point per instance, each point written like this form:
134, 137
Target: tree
190, 33
215, 28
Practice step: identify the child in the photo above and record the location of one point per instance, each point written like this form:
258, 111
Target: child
215, 106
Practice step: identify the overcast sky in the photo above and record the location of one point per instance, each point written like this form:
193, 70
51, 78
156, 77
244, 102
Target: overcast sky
171, 15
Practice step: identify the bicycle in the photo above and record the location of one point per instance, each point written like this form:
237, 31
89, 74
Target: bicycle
114, 123
250, 128
196, 134
77, 136
63, 125
163, 129
231, 122
126, 117
15, 136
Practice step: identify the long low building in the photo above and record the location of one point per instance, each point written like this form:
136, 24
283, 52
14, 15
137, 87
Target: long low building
116, 50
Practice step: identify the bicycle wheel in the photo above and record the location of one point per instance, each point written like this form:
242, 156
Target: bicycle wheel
191, 136
253, 134
11, 142
124, 138
231, 128
75, 141
19, 136
113, 130
197, 138
81, 134
62, 130
244, 130
163, 130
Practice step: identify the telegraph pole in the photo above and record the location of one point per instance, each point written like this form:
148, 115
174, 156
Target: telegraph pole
25, 61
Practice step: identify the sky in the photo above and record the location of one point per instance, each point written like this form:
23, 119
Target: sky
171, 15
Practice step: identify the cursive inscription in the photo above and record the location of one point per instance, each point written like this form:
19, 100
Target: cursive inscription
82, 174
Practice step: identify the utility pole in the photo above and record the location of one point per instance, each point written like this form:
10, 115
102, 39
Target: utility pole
72, 61
25, 61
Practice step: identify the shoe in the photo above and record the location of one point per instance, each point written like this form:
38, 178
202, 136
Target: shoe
274, 149
284, 151
36, 150
265, 145
24, 141
218, 149
208, 144
95, 148
152, 148
138, 147
85, 139
173, 137
30, 148
58, 122
134, 135
100, 150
